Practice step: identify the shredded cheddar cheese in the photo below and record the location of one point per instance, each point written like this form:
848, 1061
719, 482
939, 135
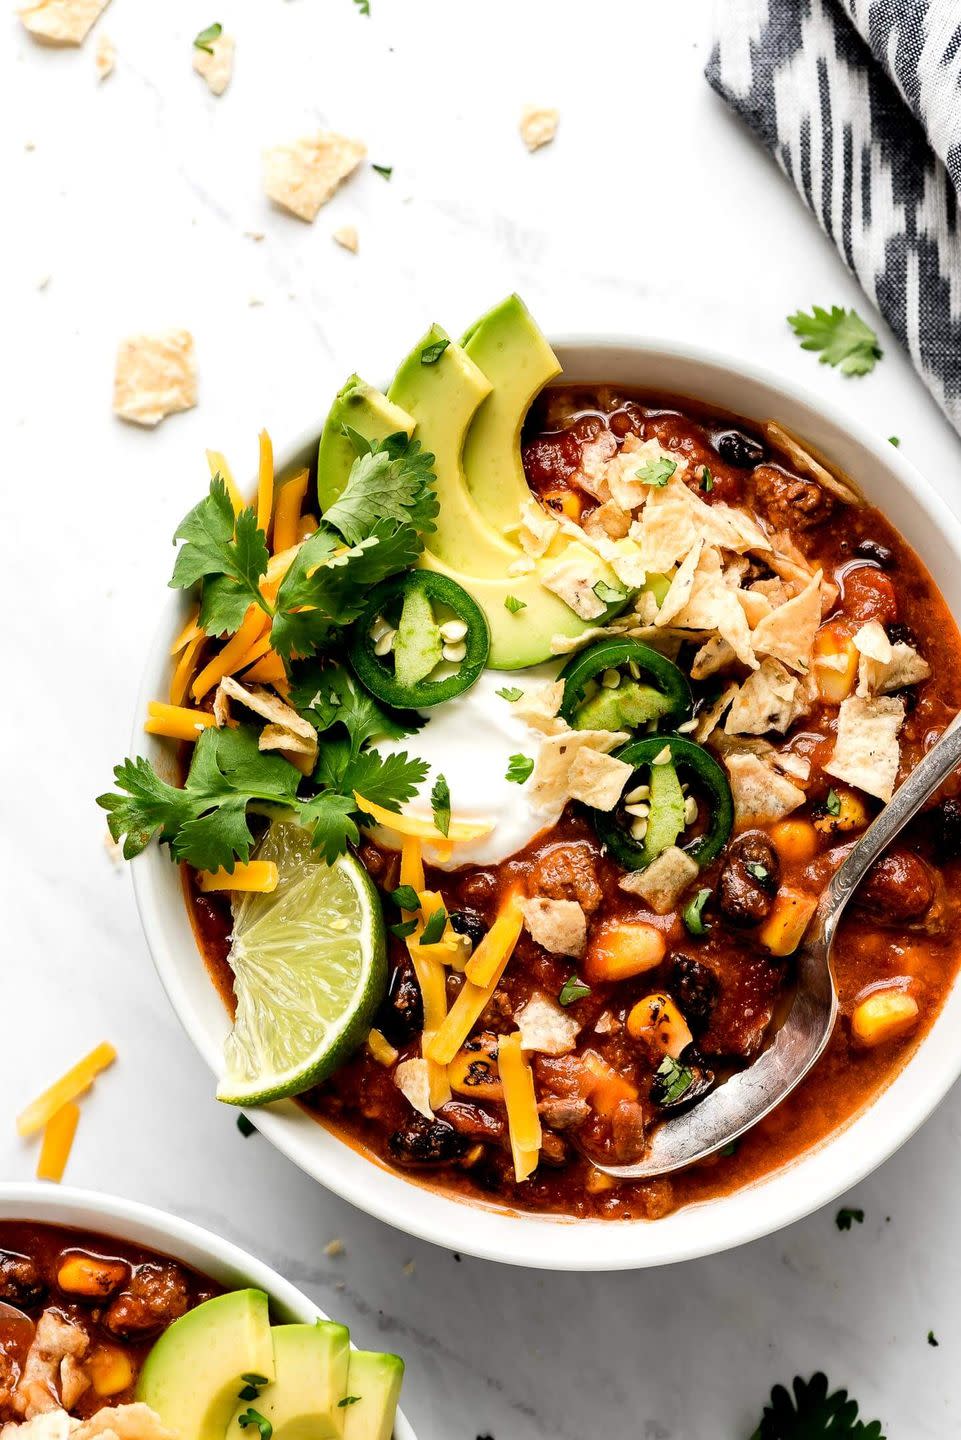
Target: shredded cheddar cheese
412, 863
520, 1101
287, 513
412, 825
227, 660
432, 980
218, 466
497, 946
265, 483
381, 1049
176, 722
473, 998
256, 876
184, 669
58, 1142
78, 1079
190, 632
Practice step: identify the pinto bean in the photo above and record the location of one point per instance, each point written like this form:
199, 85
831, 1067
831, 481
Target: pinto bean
627, 1132
473, 1121
567, 872
426, 1142
155, 1296
563, 1112
749, 879
21, 1280
898, 887
789, 502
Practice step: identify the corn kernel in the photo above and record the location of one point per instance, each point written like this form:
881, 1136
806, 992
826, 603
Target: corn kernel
84, 1275
473, 1070
883, 1015
796, 841
110, 1371
656, 1018
835, 664
783, 930
567, 502
381, 1049
619, 951
597, 1183
852, 815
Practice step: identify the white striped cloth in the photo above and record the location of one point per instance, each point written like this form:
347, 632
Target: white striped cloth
860, 103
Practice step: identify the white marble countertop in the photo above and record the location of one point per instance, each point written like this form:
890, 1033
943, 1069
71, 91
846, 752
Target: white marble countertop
652, 212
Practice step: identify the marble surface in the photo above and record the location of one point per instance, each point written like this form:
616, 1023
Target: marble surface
126, 207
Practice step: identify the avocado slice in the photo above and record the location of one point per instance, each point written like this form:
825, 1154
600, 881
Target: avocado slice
375, 1380
365, 410
443, 397
516, 358
192, 1376
304, 1401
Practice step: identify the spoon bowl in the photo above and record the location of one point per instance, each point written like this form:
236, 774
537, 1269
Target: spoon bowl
744, 1099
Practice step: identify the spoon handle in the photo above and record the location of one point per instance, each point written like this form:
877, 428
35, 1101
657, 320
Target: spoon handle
924, 779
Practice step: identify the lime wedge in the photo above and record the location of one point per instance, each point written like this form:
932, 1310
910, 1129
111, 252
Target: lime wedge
310, 969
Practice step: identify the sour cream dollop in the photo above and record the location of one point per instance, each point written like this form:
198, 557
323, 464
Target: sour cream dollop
470, 740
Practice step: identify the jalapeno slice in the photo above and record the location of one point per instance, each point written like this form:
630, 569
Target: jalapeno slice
400, 676
631, 703
664, 828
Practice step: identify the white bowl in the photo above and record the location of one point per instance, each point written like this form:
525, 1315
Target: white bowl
169, 1235
549, 1242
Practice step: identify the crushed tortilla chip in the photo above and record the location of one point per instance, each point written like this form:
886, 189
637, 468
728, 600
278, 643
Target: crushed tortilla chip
217, 67
123, 1422
867, 752
597, 780
412, 1078
787, 634
608, 521
548, 789
546, 1028
286, 730
538, 528
761, 796
104, 57
681, 586
802, 460
302, 176
538, 708
766, 701
60, 22
538, 125
905, 667
713, 605
559, 926
569, 583
714, 655
348, 238
156, 375
709, 716
664, 881
627, 489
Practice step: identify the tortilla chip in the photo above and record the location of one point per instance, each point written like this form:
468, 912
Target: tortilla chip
105, 57
681, 586
538, 125
125, 1422
754, 605
607, 521
630, 492
906, 667
709, 716
664, 881
60, 22
761, 796
764, 702
155, 375
285, 730
795, 766
538, 528
546, 1028
714, 606
568, 581
302, 176
787, 634
538, 708
597, 780
872, 640
559, 926
802, 460
714, 655
412, 1078
867, 752
591, 474
548, 789
217, 68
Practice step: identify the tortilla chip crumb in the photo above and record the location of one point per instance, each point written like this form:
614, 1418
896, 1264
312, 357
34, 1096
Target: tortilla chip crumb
597, 780
216, 65
410, 1267
156, 375
105, 57
760, 795
348, 238
538, 126
334, 1248
664, 881
60, 22
559, 926
867, 752
546, 1028
412, 1078
302, 176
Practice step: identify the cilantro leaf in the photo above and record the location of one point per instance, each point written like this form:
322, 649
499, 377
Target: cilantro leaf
842, 337
205, 822
324, 589
203, 40
707, 479
573, 989
656, 472
228, 553
519, 769
327, 694
440, 804
693, 913
813, 1414
514, 605
405, 897
933, 1339
330, 817
363, 6
846, 1217
403, 928
393, 480
435, 927
385, 171
609, 594
386, 780
253, 1417
510, 693
432, 353
832, 804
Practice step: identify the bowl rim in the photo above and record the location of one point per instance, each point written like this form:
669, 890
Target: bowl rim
543, 1241
119, 1218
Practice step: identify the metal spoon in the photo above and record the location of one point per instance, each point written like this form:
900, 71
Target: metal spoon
747, 1097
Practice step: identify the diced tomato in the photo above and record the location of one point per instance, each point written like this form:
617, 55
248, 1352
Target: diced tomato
869, 595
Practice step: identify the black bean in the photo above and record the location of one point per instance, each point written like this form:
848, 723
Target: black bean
947, 829
695, 988
900, 634
469, 923
21, 1282
738, 449
874, 550
401, 1014
426, 1142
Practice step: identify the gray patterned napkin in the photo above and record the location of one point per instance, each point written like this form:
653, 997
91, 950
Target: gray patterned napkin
860, 103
